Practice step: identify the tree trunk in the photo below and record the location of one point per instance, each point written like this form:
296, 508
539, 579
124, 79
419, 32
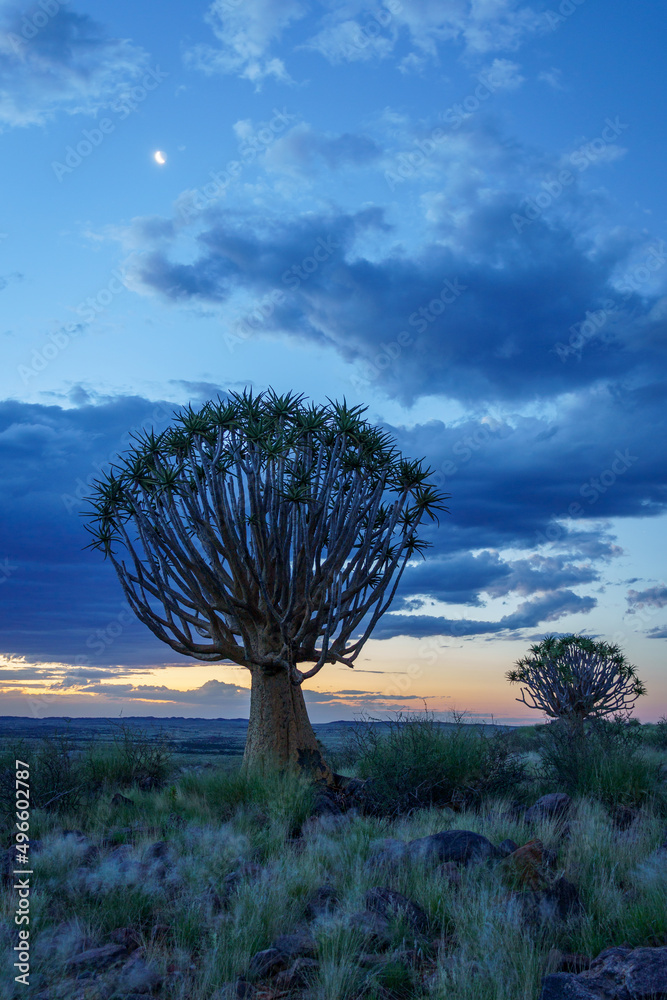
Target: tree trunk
279, 731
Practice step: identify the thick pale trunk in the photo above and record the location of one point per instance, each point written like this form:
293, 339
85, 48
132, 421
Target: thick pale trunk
279, 732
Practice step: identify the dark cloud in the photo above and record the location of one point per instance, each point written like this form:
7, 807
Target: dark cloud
517, 483
653, 596
547, 608
303, 150
482, 308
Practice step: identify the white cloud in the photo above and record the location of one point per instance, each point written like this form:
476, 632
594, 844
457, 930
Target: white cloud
67, 63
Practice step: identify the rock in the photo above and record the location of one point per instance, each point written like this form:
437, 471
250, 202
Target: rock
267, 963
99, 957
461, 846
373, 926
300, 974
623, 817
525, 865
322, 901
549, 906
451, 872
138, 976
326, 803
121, 800
553, 806
389, 903
616, 974
127, 936
160, 849
507, 847
300, 944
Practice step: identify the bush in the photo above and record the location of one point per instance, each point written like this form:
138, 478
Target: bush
64, 777
607, 762
414, 762
656, 736
134, 758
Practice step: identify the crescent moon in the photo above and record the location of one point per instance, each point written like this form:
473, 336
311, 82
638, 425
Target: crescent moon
160, 158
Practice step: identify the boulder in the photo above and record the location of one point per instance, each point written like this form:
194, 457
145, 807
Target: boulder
299, 944
373, 926
553, 806
267, 963
138, 976
548, 906
525, 865
387, 851
507, 847
323, 900
389, 903
300, 974
616, 974
461, 846
107, 954
121, 800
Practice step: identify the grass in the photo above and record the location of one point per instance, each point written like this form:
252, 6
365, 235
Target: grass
233, 877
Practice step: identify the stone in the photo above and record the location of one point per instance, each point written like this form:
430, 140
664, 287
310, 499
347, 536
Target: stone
389, 903
267, 963
616, 974
325, 804
300, 974
507, 847
160, 849
373, 926
623, 817
451, 873
322, 901
525, 865
105, 955
461, 846
138, 976
299, 944
548, 906
121, 800
556, 805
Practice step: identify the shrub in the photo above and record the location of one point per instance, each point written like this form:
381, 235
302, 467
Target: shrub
657, 735
607, 762
414, 762
134, 758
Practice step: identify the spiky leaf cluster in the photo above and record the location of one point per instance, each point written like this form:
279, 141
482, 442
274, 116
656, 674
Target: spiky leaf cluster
263, 529
574, 677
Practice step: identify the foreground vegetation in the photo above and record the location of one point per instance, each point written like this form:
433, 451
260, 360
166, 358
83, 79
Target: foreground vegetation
195, 872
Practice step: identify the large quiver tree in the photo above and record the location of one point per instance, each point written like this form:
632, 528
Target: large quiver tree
267, 532
573, 678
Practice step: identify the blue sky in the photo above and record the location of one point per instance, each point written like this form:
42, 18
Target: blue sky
453, 212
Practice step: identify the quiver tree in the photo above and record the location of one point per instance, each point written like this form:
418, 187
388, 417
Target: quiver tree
575, 678
267, 532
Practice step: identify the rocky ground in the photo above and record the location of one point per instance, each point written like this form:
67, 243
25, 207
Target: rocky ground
306, 896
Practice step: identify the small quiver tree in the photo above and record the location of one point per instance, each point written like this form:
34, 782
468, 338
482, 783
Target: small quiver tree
269, 533
575, 678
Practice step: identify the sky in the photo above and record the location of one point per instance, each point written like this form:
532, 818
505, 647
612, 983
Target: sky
450, 211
